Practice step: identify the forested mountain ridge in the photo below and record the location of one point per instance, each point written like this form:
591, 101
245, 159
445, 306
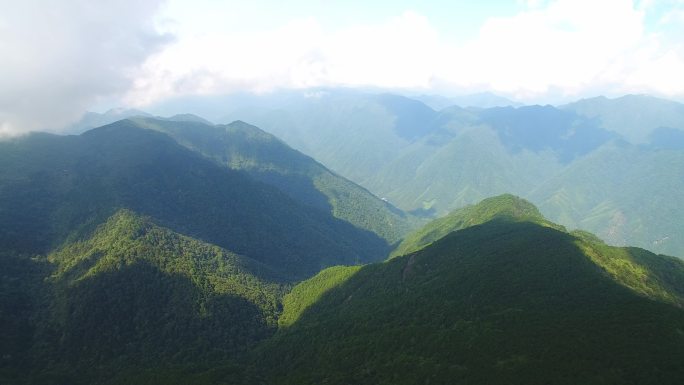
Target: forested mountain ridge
501, 302
134, 298
505, 206
57, 189
494, 293
133, 255
241, 146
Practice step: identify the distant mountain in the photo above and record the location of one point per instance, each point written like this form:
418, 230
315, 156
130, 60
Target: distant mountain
473, 155
666, 138
499, 302
484, 100
91, 120
626, 194
185, 118
545, 128
352, 133
57, 189
478, 100
634, 117
439, 161
420, 159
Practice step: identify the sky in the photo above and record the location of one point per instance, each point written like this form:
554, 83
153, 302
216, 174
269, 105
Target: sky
64, 57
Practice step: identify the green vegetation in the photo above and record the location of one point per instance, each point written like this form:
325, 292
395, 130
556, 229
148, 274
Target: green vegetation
626, 194
501, 302
173, 252
499, 296
310, 291
133, 298
55, 190
100, 286
655, 276
508, 207
241, 146
127, 239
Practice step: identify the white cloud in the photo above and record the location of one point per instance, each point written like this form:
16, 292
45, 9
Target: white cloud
569, 47
566, 45
61, 57
398, 53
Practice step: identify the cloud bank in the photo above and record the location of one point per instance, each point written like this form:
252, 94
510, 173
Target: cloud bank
551, 49
66, 56
62, 57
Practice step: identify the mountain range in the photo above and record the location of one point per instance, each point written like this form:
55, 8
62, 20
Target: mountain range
492, 293
609, 166
153, 250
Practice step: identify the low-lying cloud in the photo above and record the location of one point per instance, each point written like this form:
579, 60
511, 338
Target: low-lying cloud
63, 57
60, 57
549, 50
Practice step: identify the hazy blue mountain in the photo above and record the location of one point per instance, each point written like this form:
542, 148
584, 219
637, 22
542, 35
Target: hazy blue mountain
436, 102
437, 177
473, 155
478, 100
185, 118
402, 150
632, 116
440, 161
626, 194
91, 120
666, 138
545, 128
352, 133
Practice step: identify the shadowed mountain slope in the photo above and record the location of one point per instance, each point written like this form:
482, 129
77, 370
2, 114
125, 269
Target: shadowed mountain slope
54, 190
241, 146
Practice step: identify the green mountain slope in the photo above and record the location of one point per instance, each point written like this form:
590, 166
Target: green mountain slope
505, 206
449, 171
55, 189
137, 297
241, 146
476, 154
502, 302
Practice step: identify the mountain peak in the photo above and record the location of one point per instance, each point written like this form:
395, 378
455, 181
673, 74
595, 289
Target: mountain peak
506, 207
509, 206
187, 118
